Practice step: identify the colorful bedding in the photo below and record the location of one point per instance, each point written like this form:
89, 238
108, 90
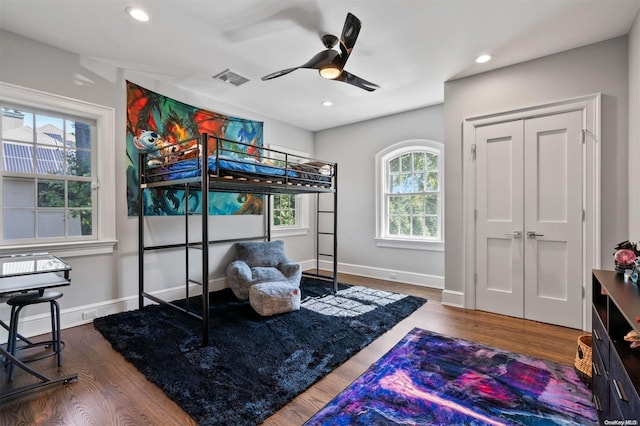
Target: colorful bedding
304, 174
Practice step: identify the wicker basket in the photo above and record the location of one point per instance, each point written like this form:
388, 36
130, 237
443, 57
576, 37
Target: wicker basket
583, 358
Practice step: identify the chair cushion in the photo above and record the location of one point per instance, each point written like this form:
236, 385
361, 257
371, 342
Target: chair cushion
261, 253
263, 274
273, 298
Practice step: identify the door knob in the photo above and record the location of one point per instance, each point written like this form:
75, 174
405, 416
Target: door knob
514, 234
532, 234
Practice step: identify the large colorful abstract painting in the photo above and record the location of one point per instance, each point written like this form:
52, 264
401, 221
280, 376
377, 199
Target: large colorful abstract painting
174, 121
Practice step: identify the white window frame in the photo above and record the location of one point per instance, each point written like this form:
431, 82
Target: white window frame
104, 118
302, 206
382, 179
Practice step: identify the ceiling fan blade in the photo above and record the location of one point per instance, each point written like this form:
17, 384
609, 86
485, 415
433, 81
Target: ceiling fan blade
278, 73
349, 78
349, 36
319, 60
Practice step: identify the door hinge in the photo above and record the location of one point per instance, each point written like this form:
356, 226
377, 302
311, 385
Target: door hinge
584, 215
584, 136
583, 293
473, 151
475, 214
475, 278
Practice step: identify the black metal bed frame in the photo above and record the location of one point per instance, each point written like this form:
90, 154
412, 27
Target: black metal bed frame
207, 182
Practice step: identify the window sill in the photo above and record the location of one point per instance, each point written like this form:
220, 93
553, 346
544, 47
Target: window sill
410, 244
70, 249
289, 232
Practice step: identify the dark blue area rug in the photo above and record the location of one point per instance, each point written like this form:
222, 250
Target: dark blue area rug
431, 379
254, 365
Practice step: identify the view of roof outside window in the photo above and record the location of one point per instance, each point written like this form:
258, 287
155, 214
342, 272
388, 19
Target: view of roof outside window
46, 176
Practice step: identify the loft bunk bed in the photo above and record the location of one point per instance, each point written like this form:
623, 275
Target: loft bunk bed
228, 168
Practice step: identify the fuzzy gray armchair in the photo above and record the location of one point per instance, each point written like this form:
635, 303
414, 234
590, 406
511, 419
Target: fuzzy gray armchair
259, 262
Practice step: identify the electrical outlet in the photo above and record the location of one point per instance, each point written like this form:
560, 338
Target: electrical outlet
89, 314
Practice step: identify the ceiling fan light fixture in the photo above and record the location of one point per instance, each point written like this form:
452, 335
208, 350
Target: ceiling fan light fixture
330, 72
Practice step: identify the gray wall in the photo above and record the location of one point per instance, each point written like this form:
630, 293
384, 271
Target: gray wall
101, 278
354, 148
634, 130
598, 68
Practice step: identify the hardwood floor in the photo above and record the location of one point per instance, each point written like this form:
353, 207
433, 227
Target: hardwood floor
110, 391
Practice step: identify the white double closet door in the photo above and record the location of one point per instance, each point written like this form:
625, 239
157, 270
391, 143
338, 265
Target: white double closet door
529, 233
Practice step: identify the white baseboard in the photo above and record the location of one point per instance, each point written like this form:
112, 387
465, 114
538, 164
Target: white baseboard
35, 325
453, 298
424, 280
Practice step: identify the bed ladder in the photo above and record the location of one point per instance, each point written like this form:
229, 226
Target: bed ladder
329, 249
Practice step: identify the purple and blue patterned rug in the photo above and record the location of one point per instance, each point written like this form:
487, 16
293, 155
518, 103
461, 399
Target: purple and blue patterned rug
431, 379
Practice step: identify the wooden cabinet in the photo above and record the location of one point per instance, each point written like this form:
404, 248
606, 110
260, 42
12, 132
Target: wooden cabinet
616, 367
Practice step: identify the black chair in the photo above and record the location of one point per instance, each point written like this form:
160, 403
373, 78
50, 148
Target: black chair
17, 303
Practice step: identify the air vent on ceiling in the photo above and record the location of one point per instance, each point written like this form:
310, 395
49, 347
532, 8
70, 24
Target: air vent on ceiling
231, 78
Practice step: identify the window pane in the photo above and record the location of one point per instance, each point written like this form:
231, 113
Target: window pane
18, 224
393, 226
79, 194
404, 205
431, 223
395, 184
431, 204
78, 135
78, 162
18, 192
49, 160
50, 223
432, 181
17, 157
394, 165
80, 222
417, 226
406, 162
418, 182
50, 193
17, 126
432, 162
417, 204
418, 161
405, 183
405, 225
394, 205
50, 130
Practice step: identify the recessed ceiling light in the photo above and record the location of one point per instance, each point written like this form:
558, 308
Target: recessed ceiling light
327, 103
137, 14
483, 58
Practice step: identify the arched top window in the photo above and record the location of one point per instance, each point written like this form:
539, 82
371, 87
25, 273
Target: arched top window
409, 195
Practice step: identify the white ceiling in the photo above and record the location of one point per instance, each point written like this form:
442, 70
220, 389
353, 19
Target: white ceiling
408, 47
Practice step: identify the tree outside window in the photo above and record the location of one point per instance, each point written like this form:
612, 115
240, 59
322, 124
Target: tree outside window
413, 195
284, 210
409, 195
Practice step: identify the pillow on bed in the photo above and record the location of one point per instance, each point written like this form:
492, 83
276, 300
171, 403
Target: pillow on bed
315, 167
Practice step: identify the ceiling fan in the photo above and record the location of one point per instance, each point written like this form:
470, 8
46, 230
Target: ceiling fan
330, 63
